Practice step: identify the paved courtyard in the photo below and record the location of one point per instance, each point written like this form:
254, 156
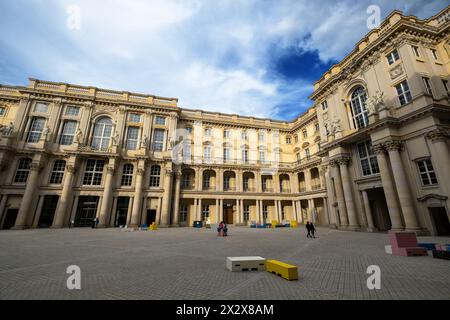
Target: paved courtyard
187, 263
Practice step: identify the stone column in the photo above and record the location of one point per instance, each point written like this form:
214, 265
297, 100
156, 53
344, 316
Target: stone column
440, 155
339, 194
38, 211
220, 210
105, 209
166, 202
199, 210
238, 181
258, 182
137, 203
238, 211
25, 209
294, 210
217, 211
401, 182
369, 217
2, 209
326, 211
388, 188
176, 200
219, 180
198, 180
348, 194
258, 217
307, 173
293, 177
276, 183
63, 205
277, 214
311, 210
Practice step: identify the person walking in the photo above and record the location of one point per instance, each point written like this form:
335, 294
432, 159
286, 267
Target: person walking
308, 228
313, 230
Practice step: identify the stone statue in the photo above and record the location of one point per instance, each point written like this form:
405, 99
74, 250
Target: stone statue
370, 106
45, 133
115, 139
9, 129
144, 142
375, 103
79, 136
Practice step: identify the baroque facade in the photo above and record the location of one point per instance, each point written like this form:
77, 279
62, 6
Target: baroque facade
371, 154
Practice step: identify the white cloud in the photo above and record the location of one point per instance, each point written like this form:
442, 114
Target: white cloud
213, 55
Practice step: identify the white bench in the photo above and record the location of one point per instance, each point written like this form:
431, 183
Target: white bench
246, 263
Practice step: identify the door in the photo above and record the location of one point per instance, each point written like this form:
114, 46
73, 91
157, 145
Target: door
440, 220
48, 211
228, 215
10, 218
122, 211
87, 209
151, 216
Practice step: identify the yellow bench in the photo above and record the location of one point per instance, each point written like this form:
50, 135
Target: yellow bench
274, 223
284, 270
294, 224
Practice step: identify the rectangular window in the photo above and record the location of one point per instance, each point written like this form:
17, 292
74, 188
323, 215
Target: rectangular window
227, 134
188, 130
244, 135
72, 111
41, 107
427, 84
205, 211
445, 84
316, 127
426, 172
262, 156
305, 134
245, 155
23, 170
296, 138
183, 212
160, 120
158, 139
261, 136
58, 172
68, 132
94, 172
308, 156
206, 181
416, 51
135, 117
207, 153
298, 156
155, 176
186, 182
226, 183
36, 128
368, 160
288, 140
264, 183
404, 95
434, 53
246, 212
2, 111
133, 138
265, 212
245, 183
324, 105
127, 175
226, 154
208, 132
392, 57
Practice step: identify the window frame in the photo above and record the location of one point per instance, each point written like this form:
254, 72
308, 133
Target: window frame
22, 170
126, 180
35, 133
368, 162
93, 177
405, 94
393, 56
155, 176
133, 143
57, 176
69, 136
430, 174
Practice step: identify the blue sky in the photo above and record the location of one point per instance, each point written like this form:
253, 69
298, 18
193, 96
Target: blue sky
249, 57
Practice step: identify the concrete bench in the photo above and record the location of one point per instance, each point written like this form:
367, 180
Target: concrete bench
281, 269
405, 244
255, 263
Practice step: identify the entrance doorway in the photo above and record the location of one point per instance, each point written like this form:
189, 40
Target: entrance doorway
151, 216
87, 210
10, 218
228, 214
379, 208
122, 211
440, 220
48, 211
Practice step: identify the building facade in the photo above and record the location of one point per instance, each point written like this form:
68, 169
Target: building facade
371, 154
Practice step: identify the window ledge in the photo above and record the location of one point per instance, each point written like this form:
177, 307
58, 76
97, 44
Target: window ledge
419, 59
438, 62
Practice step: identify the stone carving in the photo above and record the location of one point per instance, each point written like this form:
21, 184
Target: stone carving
115, 139
6, 130
45, 133
144, 142
393, 145
375, 103
336, 125
396, 72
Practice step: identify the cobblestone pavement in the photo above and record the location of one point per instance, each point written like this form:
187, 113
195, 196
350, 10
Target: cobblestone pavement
187, 263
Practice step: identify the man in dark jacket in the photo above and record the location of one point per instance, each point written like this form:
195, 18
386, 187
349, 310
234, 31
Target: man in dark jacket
308, 228
312, 229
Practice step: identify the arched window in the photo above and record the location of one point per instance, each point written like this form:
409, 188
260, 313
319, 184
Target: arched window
102, 134
359, 111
